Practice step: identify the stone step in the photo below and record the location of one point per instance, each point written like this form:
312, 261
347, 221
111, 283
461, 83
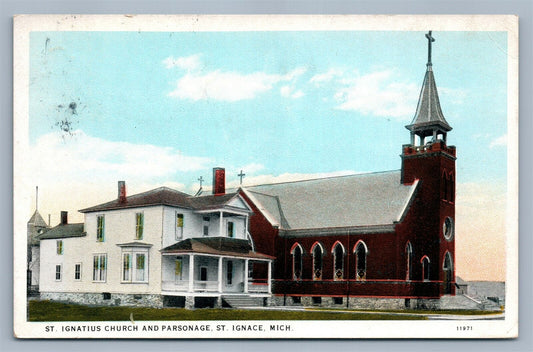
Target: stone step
243, 301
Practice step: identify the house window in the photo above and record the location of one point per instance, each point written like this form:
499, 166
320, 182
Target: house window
134, 265
206, 225
297, 262
140, 267
230, 228
139, 225
100, 224
179, 226
360, 254
59, 247
425, 268
99, 267
338, 259
229, 273
318, 252
126, 267
77, 271
58, 272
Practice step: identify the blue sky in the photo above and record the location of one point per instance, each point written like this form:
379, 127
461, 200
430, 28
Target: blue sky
159, 108
276, 111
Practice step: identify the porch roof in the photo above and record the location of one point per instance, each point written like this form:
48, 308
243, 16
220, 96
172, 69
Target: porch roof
221, 246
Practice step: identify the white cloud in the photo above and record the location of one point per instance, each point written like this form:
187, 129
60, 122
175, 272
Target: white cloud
81, 170
81, 154
294, 74
499, 142
288, 92
378, 93
251, 168
229, 86
320, 78
186, 62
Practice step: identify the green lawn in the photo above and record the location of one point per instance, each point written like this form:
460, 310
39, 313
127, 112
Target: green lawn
436, 311
54, 311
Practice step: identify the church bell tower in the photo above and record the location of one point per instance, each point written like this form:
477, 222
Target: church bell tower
431, 161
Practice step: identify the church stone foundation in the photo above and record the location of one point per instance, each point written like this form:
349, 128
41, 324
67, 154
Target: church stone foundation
105, 299
357, 302
428, 304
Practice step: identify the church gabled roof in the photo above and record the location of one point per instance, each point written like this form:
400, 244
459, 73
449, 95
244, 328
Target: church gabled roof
361, 200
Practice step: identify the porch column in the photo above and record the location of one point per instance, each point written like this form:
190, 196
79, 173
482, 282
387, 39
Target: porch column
220, 230
191, 272
245, 275
269, 278
220, 279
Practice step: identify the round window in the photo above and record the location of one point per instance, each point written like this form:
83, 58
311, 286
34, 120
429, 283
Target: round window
447, 228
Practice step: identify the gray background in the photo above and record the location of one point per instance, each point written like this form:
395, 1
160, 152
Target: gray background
523, 8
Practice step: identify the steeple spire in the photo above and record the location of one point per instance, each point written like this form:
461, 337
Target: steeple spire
428, 119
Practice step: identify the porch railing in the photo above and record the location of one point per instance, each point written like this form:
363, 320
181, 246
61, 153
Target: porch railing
207, 286
175, 286
183, 286
254, 286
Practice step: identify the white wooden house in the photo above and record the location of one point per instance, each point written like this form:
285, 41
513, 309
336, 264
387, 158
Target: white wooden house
157, 248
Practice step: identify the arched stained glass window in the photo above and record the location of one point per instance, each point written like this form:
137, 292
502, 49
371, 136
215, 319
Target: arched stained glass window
338, 259
361, 252
425, 268
409, 259
318, 252
297, 262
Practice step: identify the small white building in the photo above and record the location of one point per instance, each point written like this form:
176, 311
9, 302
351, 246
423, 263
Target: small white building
36, 226
157, 248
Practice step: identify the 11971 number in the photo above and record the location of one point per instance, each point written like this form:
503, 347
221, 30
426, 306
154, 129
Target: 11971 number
464, 328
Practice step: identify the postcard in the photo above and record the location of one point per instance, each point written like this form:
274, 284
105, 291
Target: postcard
280, 176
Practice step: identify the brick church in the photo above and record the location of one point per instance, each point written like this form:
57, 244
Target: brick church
382, 239
377, 240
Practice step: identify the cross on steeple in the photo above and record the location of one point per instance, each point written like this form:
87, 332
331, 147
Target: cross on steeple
241, 175
430, 40
201, 179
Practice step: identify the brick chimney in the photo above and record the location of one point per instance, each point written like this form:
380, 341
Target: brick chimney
219, 181
122, 192
64, 218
